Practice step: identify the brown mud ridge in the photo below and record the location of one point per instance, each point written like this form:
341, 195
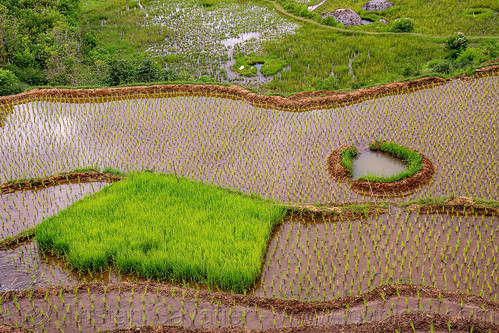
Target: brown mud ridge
13, 242
299, 102
68, 178
458, 206
310, 214
290, 306
401, 187
399, 323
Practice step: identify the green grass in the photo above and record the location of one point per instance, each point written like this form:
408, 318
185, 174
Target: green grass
410, 157
270, 66
374, 59
437, 17
347, 157
318, 57
164, 227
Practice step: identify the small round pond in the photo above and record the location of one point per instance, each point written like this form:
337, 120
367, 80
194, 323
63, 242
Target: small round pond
376, 163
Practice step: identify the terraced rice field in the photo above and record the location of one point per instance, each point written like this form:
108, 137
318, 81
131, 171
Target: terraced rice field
397, 268
276, 154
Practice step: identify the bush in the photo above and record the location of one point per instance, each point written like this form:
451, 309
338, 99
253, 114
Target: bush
443, 67
147, 71
9, 83
403, 24
170, 75
329, 20
456, 44
120, 72
329, 83
471, 56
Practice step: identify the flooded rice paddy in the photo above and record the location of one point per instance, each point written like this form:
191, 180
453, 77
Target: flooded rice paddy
204, 41
276, 154
328, 260
24, 209
92, 312
376, 163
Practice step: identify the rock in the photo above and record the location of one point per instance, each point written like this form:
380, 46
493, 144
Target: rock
346, 16
377, 5
383, 21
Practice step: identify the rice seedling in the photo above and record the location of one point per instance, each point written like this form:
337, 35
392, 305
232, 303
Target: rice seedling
148, 243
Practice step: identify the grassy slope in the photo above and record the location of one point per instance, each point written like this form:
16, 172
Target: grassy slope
159, 227
437, 17
311, 53
377, 59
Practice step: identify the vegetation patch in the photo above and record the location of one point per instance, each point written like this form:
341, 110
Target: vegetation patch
412, 158
347, 157
166, 227
245, 65
478, 13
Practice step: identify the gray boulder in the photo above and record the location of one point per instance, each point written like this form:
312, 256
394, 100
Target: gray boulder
377, 5
346, 16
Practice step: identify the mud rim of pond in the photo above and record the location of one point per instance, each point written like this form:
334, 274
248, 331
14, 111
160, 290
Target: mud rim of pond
299, 102
401, 187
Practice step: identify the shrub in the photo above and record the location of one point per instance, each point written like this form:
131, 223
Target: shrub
329, 83
170, 75
329, 20
471, 56
9, 83
119, 72
443, 67
147, 71
456, 44
403, 24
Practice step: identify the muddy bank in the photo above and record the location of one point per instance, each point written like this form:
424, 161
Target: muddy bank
10, 243
299, 102
399, 188
69, 178
455, 206
400, 323
310, 214
110, 309
229, 299
397, 322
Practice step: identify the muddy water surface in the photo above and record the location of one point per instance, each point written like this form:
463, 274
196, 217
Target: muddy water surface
335, 259
92, 311
24, 209
376, 163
